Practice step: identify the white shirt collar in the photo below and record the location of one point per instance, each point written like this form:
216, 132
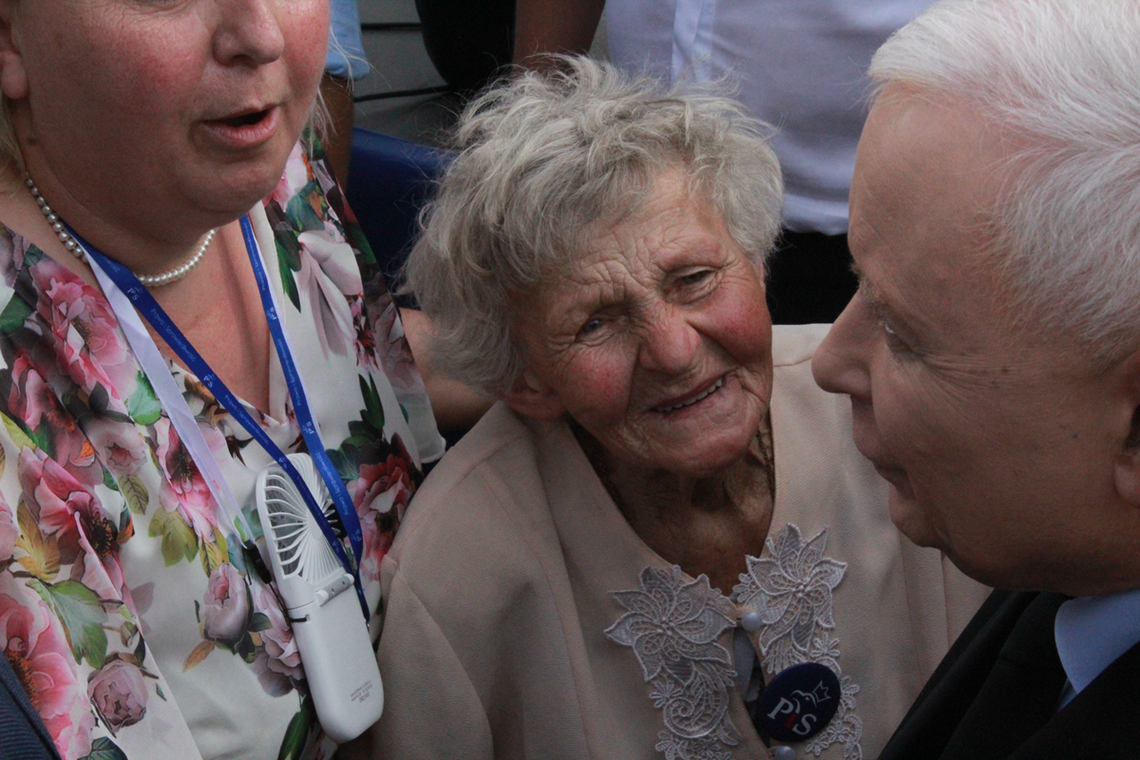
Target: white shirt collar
1093, 631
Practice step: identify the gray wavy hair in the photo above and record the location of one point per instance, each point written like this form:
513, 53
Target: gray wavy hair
545, 163
1062, 78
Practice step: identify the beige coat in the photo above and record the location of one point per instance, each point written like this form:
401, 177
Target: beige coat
498, 601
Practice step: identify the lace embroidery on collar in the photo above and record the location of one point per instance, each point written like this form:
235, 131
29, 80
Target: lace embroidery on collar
791, 588
672, 627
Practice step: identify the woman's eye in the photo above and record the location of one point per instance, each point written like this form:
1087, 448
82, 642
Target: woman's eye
590, 326
696, 278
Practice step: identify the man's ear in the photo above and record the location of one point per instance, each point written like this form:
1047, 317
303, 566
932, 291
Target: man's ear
532, 397
1127, 473
13, 76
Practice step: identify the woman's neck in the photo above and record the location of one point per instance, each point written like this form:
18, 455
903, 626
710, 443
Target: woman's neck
704, 525
146, 239
218, 309
216, 306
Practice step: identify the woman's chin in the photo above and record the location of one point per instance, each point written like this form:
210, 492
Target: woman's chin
244, 190
705, 451
702, 457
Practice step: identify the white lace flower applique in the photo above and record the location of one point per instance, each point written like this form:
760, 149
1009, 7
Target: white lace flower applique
790, 588
672, 627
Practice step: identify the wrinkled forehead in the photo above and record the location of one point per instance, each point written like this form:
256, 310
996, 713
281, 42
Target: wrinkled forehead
923, 163
923, 197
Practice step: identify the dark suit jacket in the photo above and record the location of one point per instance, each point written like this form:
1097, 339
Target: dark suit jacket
994, 696
22, 733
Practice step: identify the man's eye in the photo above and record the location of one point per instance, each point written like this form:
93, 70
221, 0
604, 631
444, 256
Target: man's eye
896, 344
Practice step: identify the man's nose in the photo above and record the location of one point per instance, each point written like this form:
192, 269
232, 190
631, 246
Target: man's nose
840, 362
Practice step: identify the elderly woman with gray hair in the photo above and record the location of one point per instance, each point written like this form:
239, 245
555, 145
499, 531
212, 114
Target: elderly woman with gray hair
661, 541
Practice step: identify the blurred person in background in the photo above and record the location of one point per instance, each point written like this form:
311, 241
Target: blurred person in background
798, 65
345, 64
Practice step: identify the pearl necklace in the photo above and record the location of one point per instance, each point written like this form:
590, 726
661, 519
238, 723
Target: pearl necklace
70, 243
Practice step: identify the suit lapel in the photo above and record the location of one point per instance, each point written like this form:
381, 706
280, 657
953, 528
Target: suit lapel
1020, 692
1099, 722
994, 693
948, 695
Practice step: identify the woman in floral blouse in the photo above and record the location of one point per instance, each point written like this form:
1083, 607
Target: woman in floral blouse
663, 513
128, 609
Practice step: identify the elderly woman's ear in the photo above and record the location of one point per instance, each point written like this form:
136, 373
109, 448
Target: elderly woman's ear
532, 397
1127, 469
13, 78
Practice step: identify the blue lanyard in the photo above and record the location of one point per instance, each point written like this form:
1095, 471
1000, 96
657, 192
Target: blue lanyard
144, 302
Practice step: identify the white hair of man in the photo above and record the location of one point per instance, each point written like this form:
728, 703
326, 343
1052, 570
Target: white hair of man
1061, 78
545, 164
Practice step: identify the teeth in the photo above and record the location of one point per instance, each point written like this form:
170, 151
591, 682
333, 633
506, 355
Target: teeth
694, 399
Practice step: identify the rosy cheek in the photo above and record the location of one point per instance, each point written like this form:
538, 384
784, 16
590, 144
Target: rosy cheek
306, 44
596, 388
746, 327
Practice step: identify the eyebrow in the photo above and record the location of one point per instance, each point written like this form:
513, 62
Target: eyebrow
873, 296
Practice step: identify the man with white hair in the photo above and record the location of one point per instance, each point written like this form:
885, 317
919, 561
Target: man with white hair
992, 357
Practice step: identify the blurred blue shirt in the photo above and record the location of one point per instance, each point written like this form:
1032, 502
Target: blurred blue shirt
346, 59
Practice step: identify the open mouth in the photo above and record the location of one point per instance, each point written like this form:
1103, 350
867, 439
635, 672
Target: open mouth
690, 401
245, 120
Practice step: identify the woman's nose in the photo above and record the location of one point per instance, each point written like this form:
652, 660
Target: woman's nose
249, 32
840, 362
670, 342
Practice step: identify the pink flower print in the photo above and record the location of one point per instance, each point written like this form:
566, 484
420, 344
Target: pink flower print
365, 339
380, 496
328, 281
118, 444
278, 668
34, 401
184, 488
34, 645
64, 507
119, 693
9, 533
31, 397
102, 573
225, 608
393, 350
295, 177
84, 328
11, 259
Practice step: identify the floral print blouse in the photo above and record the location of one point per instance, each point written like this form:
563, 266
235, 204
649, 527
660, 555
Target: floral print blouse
127, 608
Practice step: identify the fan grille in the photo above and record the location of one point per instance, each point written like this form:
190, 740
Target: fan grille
300, 545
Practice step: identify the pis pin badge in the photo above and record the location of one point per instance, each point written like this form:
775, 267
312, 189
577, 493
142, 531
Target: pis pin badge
798, 703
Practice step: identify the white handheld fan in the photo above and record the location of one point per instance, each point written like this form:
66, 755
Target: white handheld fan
328, 626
